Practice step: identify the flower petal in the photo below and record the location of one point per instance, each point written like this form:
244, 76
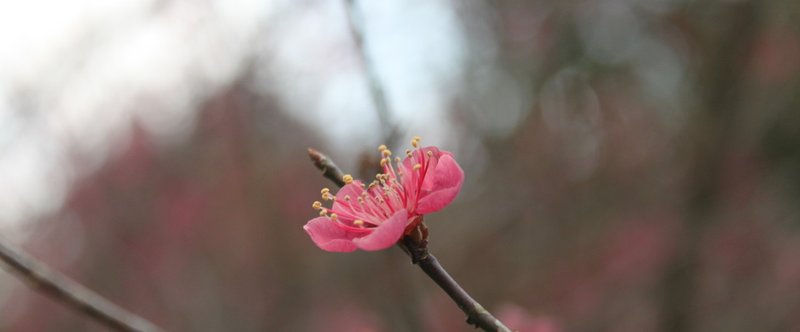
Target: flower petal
447, 179
354, 190
411, 178
328, 236
419, 154
386, 234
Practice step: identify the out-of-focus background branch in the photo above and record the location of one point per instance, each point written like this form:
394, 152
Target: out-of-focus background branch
631, 166
69, 293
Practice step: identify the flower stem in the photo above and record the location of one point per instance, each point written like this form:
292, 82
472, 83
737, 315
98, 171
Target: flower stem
70, 293
476, 314
416, 248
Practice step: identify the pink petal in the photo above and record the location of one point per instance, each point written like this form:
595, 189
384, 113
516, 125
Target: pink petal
354, 190
328, 236
411, 178
447, 179
429, 183
386, 234
408, 163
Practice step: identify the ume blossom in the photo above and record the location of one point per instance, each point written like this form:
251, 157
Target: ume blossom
375, 216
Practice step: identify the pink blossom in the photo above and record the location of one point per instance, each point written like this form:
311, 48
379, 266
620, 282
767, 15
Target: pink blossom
375, 216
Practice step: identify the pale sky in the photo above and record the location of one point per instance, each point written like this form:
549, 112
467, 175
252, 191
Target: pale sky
74, 72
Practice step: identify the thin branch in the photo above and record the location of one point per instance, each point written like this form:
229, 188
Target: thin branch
355, 23
328, 168
418, 251
476, 314
70, 293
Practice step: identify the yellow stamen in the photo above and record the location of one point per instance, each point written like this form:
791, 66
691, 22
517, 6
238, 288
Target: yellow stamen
384, 161
430, 153
359, 223
415, 141
324, 191
323, 212
382, 147
417, 166
347, 178
334, 216
317, 205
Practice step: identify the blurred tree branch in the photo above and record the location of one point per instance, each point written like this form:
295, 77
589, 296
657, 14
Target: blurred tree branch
70, 293
355, 24
708, 142
416, 248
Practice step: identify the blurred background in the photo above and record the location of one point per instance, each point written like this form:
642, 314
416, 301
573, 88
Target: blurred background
630, 165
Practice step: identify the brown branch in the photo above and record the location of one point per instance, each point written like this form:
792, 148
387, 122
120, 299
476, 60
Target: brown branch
416, 248
59, 287
476, 314
355, 24
328, 168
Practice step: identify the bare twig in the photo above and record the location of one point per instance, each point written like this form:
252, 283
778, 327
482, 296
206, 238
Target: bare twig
476, 314
355, 23
328, 168
70, 293
418, 251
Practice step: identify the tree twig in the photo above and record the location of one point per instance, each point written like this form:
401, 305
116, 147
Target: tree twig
328, 168
70, 293
418, 251
355, 24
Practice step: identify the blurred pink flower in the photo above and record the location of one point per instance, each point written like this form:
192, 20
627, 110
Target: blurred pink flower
519, 320
376, 216
342, 315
